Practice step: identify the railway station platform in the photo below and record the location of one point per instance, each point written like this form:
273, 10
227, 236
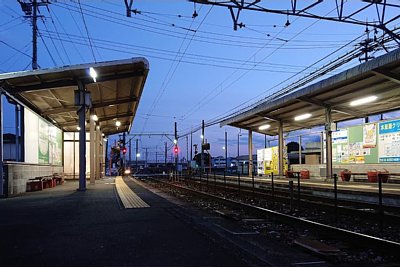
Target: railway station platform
65, 227
363, 191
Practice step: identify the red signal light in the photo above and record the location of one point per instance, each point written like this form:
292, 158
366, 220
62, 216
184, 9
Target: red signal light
124, 150
176, 149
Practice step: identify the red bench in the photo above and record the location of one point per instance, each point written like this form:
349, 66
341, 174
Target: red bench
34, 184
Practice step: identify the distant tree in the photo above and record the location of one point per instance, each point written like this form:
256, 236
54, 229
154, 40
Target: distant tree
293, 146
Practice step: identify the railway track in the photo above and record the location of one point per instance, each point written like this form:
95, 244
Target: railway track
307, 195
386, 246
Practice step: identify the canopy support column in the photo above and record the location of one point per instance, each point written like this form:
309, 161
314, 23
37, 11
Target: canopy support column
281, 146
82, 137
2, 193
300, 155
98, 153
92, 148
250, 149
328, 128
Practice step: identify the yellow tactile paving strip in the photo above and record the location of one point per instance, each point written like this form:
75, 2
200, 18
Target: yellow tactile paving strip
128, 198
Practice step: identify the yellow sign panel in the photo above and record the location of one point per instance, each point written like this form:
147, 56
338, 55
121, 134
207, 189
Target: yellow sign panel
270, 162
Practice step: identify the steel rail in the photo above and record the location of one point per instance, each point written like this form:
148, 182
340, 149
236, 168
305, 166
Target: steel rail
323, 229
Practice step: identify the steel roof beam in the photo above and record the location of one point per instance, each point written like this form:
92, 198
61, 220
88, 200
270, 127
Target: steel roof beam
129, 114
336, 108
101, 119
388, 75
66, 83
94, 105
114, 102
59, 110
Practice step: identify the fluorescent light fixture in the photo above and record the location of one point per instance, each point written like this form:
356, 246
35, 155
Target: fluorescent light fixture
264, 127
302, 117
105, 139
102, 134
78, 128
93, 73
94, 117
117, 123
363, 100
175, 141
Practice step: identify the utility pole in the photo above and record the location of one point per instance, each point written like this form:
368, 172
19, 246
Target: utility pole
165, 155
202, 145
137, 152
123, 154
130, 151
177, 151
238, 151
187, 149
34, 35
146, 159
191, 146
30, 9
226, 151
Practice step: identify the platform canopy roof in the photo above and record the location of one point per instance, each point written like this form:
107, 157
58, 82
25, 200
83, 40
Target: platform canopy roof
378, 77
50, 92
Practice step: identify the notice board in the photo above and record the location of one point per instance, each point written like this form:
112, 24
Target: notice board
368, 143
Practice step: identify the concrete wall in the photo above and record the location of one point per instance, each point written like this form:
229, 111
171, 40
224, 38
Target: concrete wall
19, 173
319, 170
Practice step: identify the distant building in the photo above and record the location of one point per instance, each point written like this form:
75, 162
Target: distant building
218, 162
235, 164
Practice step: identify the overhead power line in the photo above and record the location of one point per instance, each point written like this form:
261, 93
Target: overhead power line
339, 61
87, 31
15, 49
352, 16
237, 41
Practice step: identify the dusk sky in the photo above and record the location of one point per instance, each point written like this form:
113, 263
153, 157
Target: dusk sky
200, 68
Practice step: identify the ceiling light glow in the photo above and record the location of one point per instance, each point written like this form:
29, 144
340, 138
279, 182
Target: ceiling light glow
93, 74
363, 100
302, 117
264, 127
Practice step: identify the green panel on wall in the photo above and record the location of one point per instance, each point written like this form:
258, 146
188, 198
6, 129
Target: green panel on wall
356, 135
354, 141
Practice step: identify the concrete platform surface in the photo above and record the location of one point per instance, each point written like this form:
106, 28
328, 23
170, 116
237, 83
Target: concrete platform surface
64, 227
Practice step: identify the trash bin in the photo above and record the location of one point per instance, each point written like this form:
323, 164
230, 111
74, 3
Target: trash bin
372, 176
345, 175
289, 174
305, 174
